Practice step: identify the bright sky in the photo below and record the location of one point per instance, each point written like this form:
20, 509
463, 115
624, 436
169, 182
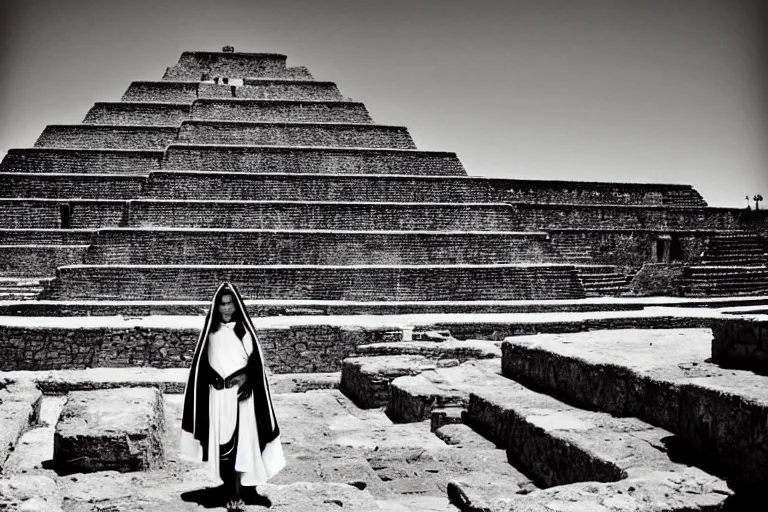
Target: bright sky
631, 90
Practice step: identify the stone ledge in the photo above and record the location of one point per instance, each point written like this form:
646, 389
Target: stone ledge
662, 378
20, 402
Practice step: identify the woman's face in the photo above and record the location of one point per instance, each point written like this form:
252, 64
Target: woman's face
226, 307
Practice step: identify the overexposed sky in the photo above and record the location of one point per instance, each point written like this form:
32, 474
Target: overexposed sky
608, 90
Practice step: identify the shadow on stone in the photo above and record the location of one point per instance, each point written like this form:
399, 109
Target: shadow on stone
217, 497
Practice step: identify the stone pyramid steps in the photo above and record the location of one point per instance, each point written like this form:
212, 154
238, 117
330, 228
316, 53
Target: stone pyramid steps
725, 280
227, 109
318, 215
333, 160
362, 135
252, 88
550, 216
272, 110
604, 193
32, 213
282, 215
71, 185
21, 260
96, 161
600, 280
265, 247
46, 236
86, 136
308, 282
138, 114
192, 65
316, 187
735, 250
21, 288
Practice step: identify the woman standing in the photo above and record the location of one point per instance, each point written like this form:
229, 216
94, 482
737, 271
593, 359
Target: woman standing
229, 420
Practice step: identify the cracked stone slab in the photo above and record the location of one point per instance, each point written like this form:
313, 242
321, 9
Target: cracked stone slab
32, 493
20, 403
662, 377
667, 491
117, 429
462, 436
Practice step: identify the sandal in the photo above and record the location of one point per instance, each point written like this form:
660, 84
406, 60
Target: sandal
236, 506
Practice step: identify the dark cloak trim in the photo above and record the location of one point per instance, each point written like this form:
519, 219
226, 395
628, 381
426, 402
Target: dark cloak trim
195, 416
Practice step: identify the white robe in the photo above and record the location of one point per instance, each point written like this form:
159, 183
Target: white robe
227, 354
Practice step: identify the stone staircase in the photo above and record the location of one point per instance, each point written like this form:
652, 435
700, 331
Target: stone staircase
592, 417
735, 250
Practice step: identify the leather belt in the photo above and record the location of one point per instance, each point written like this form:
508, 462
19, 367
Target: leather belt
220, 383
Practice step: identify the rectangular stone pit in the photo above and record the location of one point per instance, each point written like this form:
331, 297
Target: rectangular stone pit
111, 429
741, 343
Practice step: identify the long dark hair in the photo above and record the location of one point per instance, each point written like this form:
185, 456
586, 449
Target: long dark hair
237, 316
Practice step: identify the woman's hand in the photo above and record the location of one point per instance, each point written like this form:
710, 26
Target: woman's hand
244, 390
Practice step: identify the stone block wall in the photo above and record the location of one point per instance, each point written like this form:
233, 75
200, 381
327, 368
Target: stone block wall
38, 260
312, 160
281, 111
626, 248
741, 343
659, 279
161, 92
569, 192
102, 161
294, 349
29, 213
551, 216
300, 215
90, 186
187, 92
303, 187
103, 136
362, 283
46, 236
145, 114
288, 134
287, 90
192, 65
47, 213
129, 246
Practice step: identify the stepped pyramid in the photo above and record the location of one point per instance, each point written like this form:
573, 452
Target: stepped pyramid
238, 167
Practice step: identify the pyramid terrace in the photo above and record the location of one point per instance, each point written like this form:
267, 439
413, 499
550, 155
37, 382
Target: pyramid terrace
397, 295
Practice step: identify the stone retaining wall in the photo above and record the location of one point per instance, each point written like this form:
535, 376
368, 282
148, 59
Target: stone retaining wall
128, 246
295, 349
567, 216
300, 134
90, 136
187, 92
146, 114
46, 236
312, 160
306, 187
352, 216
353, 283
59, 160
281, 111
575, 192
192, 65
38, 260
92, 186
